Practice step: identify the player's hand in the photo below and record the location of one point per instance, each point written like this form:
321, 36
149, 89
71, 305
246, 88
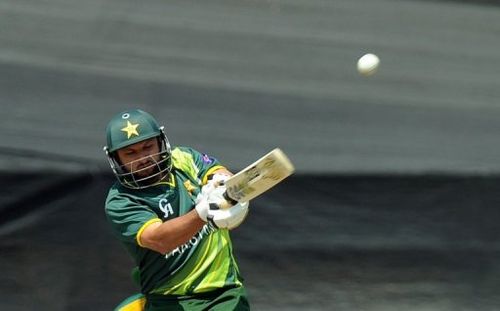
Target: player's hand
229, 218
219, 178
208, 207
206, 198
202, 206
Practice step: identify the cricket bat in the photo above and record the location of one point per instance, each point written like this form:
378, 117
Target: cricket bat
257, 178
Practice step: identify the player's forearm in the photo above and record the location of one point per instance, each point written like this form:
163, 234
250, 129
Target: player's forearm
165, 237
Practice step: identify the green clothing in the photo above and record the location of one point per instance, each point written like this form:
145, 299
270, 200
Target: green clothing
135, 302
234, 299
205, 263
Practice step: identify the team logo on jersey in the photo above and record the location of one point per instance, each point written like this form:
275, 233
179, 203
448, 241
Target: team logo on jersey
165, 207
130, 129
207, 159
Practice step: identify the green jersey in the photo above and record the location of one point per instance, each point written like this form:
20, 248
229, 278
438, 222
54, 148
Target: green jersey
205, 263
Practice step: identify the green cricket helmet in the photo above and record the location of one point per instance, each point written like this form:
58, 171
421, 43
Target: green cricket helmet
131, 127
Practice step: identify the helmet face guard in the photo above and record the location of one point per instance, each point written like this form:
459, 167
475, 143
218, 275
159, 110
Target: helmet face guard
130, 128
160, 167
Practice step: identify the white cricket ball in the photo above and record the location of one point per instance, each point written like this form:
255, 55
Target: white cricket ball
368, 64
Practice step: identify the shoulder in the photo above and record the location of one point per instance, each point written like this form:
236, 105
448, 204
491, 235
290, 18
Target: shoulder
183, 151
192, 162
183, 157
119, 196
184, 154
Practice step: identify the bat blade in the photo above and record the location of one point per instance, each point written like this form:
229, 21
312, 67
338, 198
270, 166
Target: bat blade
258, 177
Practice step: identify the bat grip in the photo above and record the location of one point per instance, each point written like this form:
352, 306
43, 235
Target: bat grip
229, 202
226, 196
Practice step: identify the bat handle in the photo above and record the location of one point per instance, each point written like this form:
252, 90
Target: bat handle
228, 201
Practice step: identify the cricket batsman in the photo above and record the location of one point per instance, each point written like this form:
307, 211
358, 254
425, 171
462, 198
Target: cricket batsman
163, 209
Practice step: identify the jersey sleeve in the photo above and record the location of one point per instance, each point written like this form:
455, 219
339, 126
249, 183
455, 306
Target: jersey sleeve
198, 165
128, 218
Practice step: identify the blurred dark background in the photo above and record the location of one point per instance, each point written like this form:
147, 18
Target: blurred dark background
394, 205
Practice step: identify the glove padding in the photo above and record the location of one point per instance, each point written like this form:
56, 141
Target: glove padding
219, 179
207, 206
202, 205
229, 218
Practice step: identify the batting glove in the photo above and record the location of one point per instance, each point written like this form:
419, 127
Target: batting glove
219, 178
202, 206
209, 200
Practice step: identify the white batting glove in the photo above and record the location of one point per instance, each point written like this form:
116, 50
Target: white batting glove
208, 202
215, 181
229, 218
219, 178
202, 205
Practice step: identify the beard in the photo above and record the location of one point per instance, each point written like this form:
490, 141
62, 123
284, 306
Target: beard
148, 171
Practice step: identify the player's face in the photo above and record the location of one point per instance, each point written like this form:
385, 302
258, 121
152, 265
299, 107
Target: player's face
141, 158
